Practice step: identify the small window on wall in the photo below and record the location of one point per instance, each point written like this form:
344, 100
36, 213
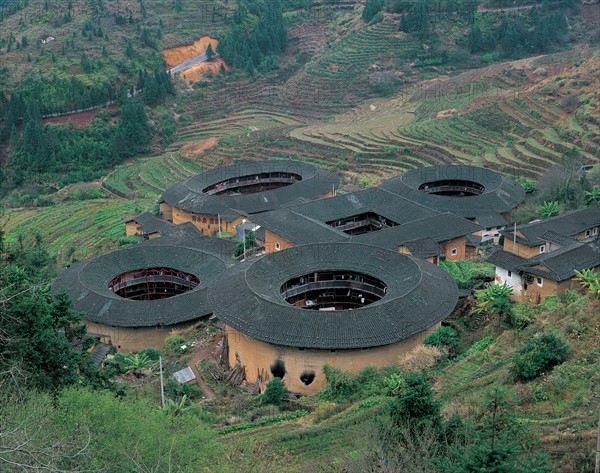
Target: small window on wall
277, 246
595, 231
510, 274
588, 233
454, 251
542, 248
539, 281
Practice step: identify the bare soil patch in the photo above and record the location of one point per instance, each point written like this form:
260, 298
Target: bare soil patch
193, 149
195, 73
174, 56
80, 119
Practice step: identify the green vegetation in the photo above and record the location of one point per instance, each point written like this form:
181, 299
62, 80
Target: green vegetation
494, 298
590, 280
444, 337
468, 273
275, 393
367, 92
549, 209
539, 355
66, 155
256, 34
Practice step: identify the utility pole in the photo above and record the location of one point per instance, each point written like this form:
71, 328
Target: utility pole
162, 386
597, 470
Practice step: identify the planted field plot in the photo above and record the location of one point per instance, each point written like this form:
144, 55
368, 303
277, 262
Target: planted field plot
335, 79
494, 117
340, 75
149, 177
247, 121
74, 231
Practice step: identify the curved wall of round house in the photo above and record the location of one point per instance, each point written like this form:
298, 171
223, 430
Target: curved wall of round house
302, 369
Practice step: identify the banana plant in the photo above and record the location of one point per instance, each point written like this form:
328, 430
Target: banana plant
590, 280
549, 209
173, 408
593, 197
492, 293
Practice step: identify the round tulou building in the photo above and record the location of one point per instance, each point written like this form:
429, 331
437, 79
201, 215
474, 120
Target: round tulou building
133, 298
217, 200
475, 193
347, 305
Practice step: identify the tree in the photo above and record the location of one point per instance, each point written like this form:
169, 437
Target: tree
593, 197
499, 445
372, 7
539, 355
475, 39
562, 184
210, 54
137, 362
589, 279
414, 402
249, 243
492, 296
275, 393
416, 21
37, 333
129, 52
31, 440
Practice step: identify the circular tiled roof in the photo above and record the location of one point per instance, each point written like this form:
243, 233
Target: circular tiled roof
248, 298
191, 194
87, 284
500, 193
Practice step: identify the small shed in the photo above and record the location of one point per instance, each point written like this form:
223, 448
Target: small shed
185, 376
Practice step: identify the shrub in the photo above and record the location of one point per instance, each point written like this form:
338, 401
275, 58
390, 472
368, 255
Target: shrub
415, 401
275, 393
521, 315
421, 358
550, 303
467, 273
153, 354
341, 385
539, 355
444, 337
174, 342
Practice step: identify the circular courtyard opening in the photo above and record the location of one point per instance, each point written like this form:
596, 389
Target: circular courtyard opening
333, 290
253, 183
153, 283
452, 188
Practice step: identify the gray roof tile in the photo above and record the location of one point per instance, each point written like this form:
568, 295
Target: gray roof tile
188, 195
418, 296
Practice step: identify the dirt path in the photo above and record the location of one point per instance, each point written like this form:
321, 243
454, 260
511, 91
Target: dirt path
205, 351
507, 9
208, 394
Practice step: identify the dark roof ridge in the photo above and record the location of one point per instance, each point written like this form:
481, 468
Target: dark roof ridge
416, 202
314, 220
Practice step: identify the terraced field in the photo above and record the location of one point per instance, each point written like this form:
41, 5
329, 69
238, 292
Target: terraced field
149, 177
74, 231
495, 117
